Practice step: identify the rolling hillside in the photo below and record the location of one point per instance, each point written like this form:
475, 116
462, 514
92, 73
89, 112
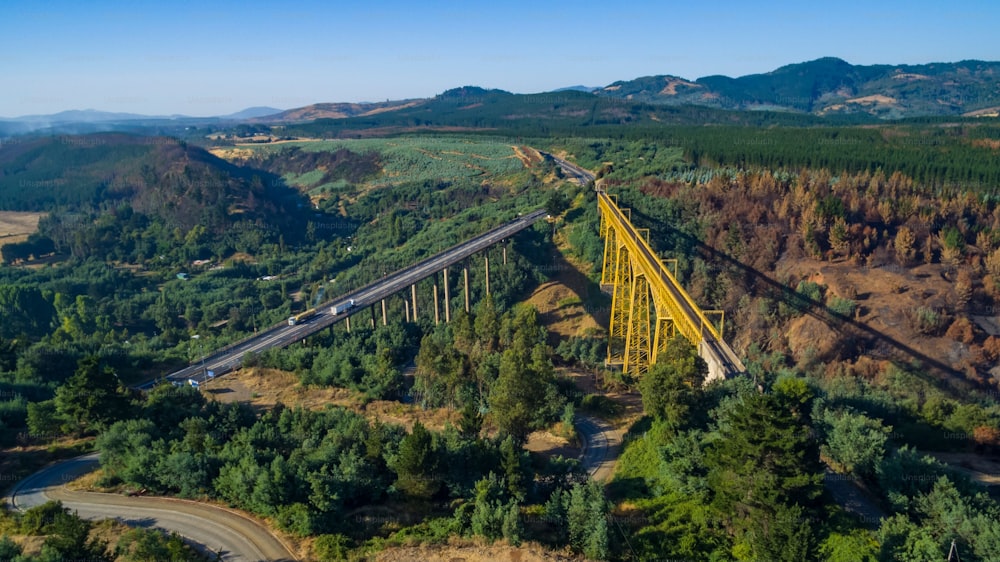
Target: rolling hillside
157, 176
831, 86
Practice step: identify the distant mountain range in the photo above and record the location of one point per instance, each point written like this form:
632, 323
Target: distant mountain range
91, 120
95, 116
825, 88
333, 111
830, 85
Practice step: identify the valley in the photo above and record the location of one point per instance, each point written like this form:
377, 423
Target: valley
856, 263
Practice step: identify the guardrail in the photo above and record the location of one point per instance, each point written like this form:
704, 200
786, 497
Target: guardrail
655, 269
525, 220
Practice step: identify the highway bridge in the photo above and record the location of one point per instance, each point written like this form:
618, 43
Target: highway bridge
283, 334
648, 304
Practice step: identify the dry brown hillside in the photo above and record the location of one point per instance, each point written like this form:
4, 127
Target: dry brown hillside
901, 274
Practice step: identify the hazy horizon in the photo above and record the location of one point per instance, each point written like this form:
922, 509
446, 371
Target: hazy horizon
186, 59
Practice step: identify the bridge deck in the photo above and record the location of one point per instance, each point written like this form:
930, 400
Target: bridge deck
669, 294
280, 335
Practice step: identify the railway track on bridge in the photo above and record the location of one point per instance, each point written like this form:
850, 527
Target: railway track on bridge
721, 358
688, 318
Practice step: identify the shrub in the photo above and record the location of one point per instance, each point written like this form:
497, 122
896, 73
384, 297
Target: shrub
602, 405
811, 291
843, 307
927, 321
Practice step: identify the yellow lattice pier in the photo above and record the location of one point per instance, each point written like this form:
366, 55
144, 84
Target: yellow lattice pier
648, 305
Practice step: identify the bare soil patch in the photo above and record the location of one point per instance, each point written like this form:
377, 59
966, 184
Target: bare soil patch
15, 226
982, 469
549, 445
527, 155
873, 100
474, 553
886, 299
561, 301
264, 388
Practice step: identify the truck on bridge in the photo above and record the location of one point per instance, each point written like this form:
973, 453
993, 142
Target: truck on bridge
342, 307
301, 317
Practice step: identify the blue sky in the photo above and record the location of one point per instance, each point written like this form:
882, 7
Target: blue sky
210, 58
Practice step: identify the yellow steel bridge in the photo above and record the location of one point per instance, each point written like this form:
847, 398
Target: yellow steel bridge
648, 305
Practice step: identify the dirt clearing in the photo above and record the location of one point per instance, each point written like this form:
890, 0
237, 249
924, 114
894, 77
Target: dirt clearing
263, 388
472, 553
15, 226
565, 302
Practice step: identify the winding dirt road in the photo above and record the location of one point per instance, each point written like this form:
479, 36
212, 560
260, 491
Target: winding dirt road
208, 528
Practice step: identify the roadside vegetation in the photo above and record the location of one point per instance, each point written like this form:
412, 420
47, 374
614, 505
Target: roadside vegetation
853, 378
736, 469
50, 532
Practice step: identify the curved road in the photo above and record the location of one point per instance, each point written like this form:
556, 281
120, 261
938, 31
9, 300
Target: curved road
601, 443
210, 529
601, 447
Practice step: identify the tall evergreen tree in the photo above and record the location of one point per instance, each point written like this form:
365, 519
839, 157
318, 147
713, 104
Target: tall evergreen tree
672, 386
416, 464
92, 397
763, 466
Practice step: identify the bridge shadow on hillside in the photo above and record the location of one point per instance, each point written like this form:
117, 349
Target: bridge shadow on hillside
540, 252
764, 286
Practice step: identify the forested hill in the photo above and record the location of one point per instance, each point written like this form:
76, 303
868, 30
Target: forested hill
566, 112
832, 86
157, 176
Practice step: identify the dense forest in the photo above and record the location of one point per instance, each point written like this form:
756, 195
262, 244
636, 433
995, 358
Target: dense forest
872, 407
111, 292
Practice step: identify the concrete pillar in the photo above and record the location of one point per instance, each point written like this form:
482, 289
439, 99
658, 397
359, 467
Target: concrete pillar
372, 309
348, 322
413, 293
447, 298
406, 308
505, 254
487, 258
384, 320
465, 271
437, 307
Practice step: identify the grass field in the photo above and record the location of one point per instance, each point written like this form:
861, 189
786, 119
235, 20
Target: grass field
413, 159
16, 226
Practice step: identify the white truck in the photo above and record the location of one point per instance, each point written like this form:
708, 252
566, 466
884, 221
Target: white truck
342, 307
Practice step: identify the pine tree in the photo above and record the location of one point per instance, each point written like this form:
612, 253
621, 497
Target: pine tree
904, 244
673, 384
762, 464
416, 464
92, 397
471, 422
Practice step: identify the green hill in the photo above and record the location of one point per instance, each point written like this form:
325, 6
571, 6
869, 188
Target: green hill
157, 176
832, 86
565, 112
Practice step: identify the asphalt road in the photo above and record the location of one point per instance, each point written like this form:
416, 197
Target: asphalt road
571, 170
282, 335
209, 529
601, 447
